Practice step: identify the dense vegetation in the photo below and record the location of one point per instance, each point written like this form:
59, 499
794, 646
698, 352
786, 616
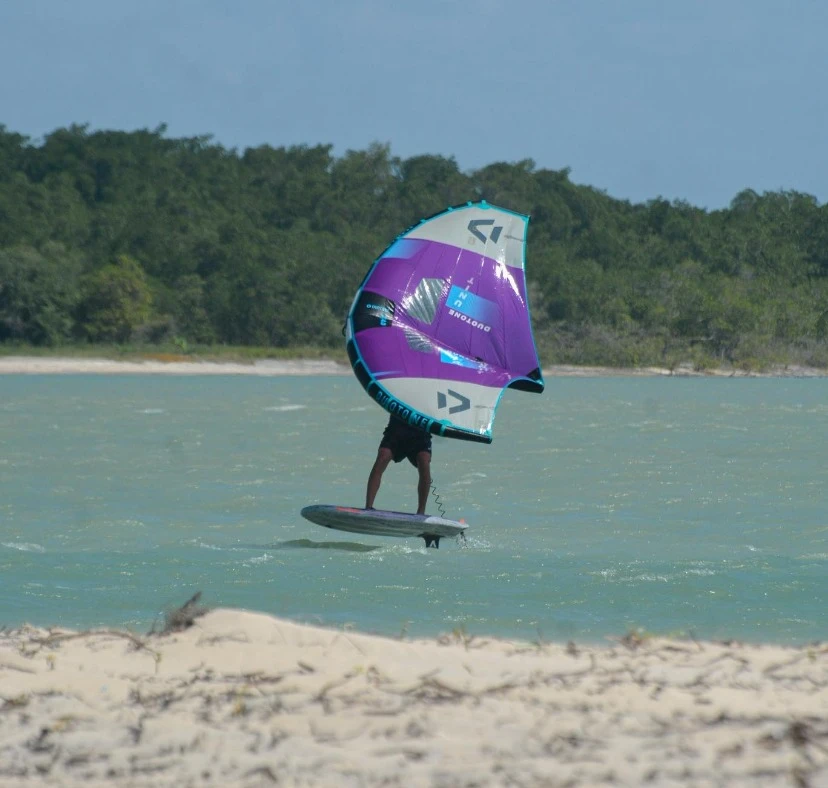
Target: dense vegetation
115, 237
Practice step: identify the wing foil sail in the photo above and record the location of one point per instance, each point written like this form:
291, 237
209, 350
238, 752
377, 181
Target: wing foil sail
440, 326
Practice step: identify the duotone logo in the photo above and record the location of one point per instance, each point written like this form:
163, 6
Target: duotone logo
475, 225
464, 403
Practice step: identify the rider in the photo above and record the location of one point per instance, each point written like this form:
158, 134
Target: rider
401, 441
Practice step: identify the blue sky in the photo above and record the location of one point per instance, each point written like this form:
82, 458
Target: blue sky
693, 100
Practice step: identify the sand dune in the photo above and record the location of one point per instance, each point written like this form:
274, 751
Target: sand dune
241, 698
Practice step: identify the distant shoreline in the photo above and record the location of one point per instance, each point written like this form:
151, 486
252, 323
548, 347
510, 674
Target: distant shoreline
48, 365
69, 365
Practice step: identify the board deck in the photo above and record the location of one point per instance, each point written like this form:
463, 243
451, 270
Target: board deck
379, 522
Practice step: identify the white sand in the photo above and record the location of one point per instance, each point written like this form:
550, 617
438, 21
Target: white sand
35, 365
246, 699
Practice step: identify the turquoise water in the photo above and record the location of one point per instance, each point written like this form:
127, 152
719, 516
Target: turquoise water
679, 506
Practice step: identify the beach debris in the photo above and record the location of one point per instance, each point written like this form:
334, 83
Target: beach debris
183, 617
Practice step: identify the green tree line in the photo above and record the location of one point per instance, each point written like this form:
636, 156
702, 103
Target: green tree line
134, 237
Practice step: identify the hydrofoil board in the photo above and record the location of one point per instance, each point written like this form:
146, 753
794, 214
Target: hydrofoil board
379, 522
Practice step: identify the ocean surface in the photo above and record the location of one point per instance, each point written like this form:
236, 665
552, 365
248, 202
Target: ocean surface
692, 507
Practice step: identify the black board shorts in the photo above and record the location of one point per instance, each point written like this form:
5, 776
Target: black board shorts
405, 441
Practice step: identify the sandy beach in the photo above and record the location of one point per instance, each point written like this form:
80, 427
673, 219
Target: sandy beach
241, 698
37, 365
47, 365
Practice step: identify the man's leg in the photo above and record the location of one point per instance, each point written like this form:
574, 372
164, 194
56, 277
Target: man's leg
384, 456
424, 483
